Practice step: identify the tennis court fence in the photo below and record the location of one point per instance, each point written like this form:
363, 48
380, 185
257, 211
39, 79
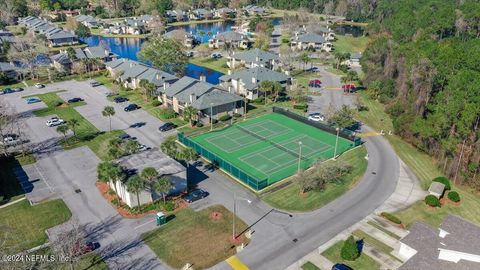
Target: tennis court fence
346, 134
246, 178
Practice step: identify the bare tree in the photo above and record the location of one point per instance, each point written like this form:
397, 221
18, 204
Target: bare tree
68, 243
26, 49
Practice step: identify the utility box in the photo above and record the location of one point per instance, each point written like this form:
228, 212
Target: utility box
161, 218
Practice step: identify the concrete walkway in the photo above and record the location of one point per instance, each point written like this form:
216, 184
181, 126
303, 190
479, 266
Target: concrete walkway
407, 192
14, 202
377, 234
388, 226
385, 261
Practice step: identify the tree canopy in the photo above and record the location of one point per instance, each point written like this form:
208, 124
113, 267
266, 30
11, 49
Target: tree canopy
165, 54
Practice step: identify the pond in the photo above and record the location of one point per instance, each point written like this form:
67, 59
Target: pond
129, 47
353, 30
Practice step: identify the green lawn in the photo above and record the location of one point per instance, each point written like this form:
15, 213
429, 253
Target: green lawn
289, 197
192, 237
25, 159
208, 62
363, 262
424, 167
135, 96
303, 77
309, 266
350, 44
25, 225
377, 244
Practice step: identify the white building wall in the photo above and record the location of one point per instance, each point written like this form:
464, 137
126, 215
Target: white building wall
405, 252
456, 256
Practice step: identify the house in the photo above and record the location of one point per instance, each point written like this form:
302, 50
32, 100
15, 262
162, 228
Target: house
95, 52
201, 14
9, 70
324, 31
354, 60
130, 73
54, 35
224, 13
253, 58
180, 35
6, 37
454, 245
165, 166
207, 98
310, 41
88, 21
61, 62
231, 39
131, 26
253, 10
176, 15
436, 189
246, 82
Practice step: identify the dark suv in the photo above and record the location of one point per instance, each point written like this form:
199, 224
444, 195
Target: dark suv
131, 107
120, 99
195, 195
167, 126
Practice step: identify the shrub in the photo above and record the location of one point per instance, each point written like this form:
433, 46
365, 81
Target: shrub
300, 106
349, 249
237, 115
58, 104
111, 192
156, 103
199, 124
259, 100
167, 113
432, 201
214, 121
116, 202
167, 206
391, 217
443, 180
453, 196
224, 117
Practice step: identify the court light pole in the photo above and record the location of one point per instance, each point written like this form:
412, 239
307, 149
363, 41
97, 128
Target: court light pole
299, 155
336, 144
211, 115
245, 107
235, 213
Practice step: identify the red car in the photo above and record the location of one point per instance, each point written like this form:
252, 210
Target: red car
81, 249
349, 88
315, 83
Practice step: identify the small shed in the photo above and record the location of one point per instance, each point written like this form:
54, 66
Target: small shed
436, 189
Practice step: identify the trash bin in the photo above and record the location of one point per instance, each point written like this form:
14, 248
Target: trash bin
161, 218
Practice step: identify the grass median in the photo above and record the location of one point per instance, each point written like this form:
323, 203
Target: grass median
24, 225
219, 65
195, 237
364, 262
289, 197
350, 44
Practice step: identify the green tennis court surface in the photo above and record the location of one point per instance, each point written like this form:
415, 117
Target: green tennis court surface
269, 147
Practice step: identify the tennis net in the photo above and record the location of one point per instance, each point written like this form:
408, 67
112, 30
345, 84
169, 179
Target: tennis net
279, 146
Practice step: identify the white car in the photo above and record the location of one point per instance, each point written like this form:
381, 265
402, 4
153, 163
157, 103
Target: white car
316, 117
55, 121
39, 85
9, 140
143, 147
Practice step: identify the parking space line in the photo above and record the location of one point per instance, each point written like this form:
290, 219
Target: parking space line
236, 264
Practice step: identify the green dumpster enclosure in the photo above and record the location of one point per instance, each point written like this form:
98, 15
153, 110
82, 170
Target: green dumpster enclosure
161, 218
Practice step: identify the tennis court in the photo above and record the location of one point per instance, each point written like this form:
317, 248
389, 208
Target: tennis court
272, 146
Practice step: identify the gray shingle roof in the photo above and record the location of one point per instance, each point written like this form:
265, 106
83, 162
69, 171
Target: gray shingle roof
215, 96
311, 38
61, 58
259, 73
463, 237
230, 36
252, 56
4, 66
179, 85
133, 69
157, 77
151, 158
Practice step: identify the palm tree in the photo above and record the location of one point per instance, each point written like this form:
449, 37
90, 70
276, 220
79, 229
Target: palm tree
190, 113
149, 174
63, 129
135, 184
110, 172
109, 111
304, 58
73, 124
163, 185
169, 147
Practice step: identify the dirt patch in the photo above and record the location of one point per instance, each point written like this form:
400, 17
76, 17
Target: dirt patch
215, 216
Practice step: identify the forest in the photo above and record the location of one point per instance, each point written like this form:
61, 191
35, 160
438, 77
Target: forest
423, 64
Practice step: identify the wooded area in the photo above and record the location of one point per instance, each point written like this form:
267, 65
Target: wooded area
424, 66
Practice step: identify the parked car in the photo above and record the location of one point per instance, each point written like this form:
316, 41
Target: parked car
195, 195
125, 136
39, 85
216, 55
131, 107
32, 100
317, 117
55, 121
80, 249
110, 94
167, 126
10, 140
138, 125
73, 100
8, 91
95, 84
18, 89
143, 147
189, 54
120, 99
341, 266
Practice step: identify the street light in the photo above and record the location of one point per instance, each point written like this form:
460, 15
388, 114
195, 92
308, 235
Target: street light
235, 212
245, 108
211, 115
336, 143
299, 155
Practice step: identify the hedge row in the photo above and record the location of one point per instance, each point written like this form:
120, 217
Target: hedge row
391, 217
